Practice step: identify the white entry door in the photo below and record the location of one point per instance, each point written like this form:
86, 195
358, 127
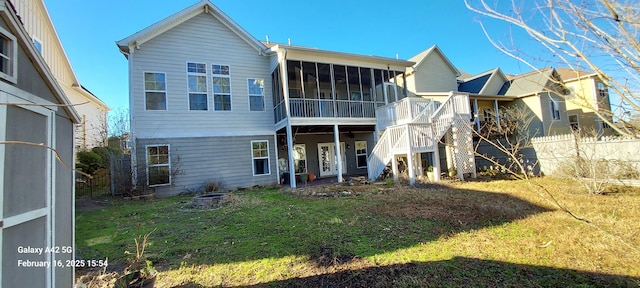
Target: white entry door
328, 161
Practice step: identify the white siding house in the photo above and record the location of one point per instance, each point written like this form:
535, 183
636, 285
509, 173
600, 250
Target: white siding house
91, 131
240, 112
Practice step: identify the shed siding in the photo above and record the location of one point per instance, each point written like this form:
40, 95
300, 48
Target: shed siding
434, 75
64, 199
202, 39
226, 160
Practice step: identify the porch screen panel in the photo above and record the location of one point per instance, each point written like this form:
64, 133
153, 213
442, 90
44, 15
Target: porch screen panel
325, 94
340, 82
379, 87
324, 77
25, 166
294, 69
310, 80
365, 79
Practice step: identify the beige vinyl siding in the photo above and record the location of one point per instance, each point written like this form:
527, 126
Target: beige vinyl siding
202, 39
226, 160
493, 86
434, 75
554, 127
36, 21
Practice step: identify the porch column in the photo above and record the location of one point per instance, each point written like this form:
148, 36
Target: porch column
412, 169
394, 167
476, 114
292, 166
436, 163
495, 109
336, 139
410, 165
448, 149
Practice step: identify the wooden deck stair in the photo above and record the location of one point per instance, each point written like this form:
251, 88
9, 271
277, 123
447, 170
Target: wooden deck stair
416, 125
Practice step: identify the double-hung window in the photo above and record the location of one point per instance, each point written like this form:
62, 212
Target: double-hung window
8, 56
158, 165
260, 157
361, 154
256, 94
197, 83
603, 91
155, 91
555, 109
221, 87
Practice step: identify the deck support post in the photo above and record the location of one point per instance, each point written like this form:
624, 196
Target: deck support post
448, 149
336, 140
436, 162
292, 166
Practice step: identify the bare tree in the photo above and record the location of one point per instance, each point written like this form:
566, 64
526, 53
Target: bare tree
590, 35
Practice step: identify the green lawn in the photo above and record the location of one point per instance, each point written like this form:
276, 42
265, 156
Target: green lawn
466, 234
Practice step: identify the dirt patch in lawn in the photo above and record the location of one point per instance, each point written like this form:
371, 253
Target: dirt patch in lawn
87, 204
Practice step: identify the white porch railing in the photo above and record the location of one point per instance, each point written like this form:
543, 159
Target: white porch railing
325, 108
402, 112
392, 140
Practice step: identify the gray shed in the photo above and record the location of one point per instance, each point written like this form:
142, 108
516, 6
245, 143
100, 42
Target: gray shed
36, 147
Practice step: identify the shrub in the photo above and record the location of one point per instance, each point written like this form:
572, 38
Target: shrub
89, 161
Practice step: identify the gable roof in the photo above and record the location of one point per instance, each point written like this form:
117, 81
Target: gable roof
530, 83
65, 59
568, 74
422, 56
8, 13
205, 6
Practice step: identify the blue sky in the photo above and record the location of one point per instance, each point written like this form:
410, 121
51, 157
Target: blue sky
89, 29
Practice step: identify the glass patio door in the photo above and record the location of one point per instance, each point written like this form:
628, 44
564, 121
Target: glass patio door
328, 160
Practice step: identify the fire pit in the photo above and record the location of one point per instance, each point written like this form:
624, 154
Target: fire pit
208, 201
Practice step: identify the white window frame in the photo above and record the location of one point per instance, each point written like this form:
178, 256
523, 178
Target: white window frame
361, 154
256, 95
206, 81
297, 160
144, 86
10, 73
577, 122
214, 75
603, 90
254, 158
554, 108
146, 150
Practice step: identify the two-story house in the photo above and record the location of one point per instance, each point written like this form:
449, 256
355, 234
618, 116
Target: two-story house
92, 129
242, 112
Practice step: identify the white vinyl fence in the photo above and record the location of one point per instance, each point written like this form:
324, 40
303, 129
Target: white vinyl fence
551, 151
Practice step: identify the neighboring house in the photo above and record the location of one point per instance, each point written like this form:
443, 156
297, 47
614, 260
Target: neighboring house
588, 95
241, 112
92, 130
36, 188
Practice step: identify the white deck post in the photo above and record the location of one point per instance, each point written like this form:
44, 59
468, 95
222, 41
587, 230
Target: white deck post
476, 114
495, 108
336, 139
448, 149
394, 167
436, 163
410, 164
292, 166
